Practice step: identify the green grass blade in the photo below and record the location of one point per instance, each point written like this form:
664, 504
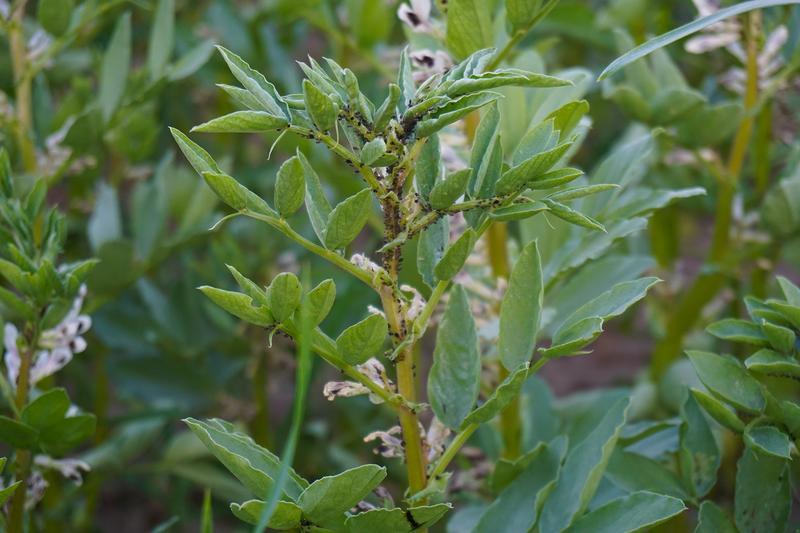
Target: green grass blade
688, 29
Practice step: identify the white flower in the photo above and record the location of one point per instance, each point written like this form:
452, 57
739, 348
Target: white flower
343, 389
390, 445
722, 34
72, 469
436, 439
372, 369
417, 15
429, 63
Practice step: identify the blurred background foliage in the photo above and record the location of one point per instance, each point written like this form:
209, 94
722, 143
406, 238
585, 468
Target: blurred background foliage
106, 83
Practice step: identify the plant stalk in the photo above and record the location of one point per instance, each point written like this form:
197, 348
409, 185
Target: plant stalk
22, 86
16, 515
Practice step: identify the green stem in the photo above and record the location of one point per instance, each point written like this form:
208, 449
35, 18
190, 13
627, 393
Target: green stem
16, 518
22, 103
520, 34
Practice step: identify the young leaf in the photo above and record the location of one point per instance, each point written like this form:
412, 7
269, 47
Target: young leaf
499, 399
430, 249
638, 511
763, 497
483, 146
469, 27
768, 440
454, 378
114, 70
290, 187
772, 363
780, 338
284, 295
326, 500
447, 191
521, 309
502, 78
428, 168
317, 205
161, 42
453, 111
737, 330
455, 256
530, 170
580, 476
790, 291
249, 287
54, 15
287, 515
699, 455
712, 519
362, 340
236, 195
243, 122
728, 380
397, 520
718, 411
47, 409
319, 106
573, 217
373, 151
200, 160
253, 81
347, 219
320, 301
239, 305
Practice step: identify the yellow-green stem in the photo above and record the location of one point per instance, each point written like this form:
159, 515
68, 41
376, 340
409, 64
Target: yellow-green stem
22, 101
16, 518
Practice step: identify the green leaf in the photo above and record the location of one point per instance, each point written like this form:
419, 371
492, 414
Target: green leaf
500, 397
521, 309
791, 313
320, 106
469, 27
530, 170
236, 195
686, 30
454, 378
718, 411
249, 287
455, 256
518, 211
502, 78
768, 440
566, 117
397, 520
790, 291
570, 339
447, 191
712, 519
373, 151
317, 205
453, 111
254, 81
239, 305
61, 437
428, 168
320, 301
200, 160
484, 160
639, 511
326, 500
287, 515
253, 465
47, 409
517, 506
290, 187
17, 434
430, 249
387, 109
191, 61
572, 216
54, 15
348, 219
243, 122
7, 492
284, 295
699, 455
633, 472
763, 497
362, 340
780, 338
772, 363
573, 193
115, 66
728, 380
161, 42
738, 330
584, 467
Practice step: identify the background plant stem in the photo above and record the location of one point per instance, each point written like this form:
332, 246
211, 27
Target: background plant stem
16, 515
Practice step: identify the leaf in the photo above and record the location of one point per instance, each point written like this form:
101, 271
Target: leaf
54, 15
326, 500
7, 492
483, 160
362, 340
105, 223
373, 151
572, 338
530, 170
583, 468
47, 409
638, 511
447, 191
236, 195
567, 117
284, 295
780, 338
500, 397
453, 111
191, 61
200, 160
686, 30
430, 249
455, 256
521, 309
256, 83
290, 187
469, 27
768, 440
319, 105
161, 42
572, 216
239, 305
253, 465
517, 506
243, 122
317, 205
397, 520
712, 519
61, 437
699, 456
633, 472
320, 301
347, 219
17, 434
428, 168
115, 66
772, 363
738, 330
728, 380
518, 211
718, 411
502, 78
790, 291
454, 378
287, 515
763, 497
519, 13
